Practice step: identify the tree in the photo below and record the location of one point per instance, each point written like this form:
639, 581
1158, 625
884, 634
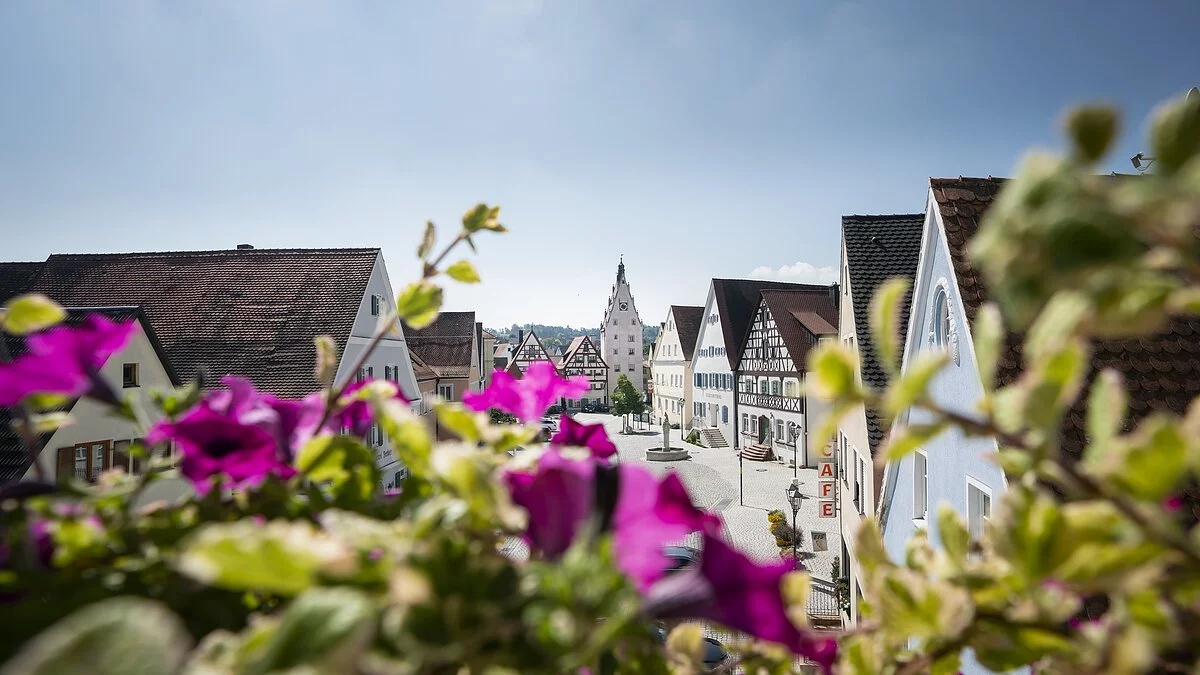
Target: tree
627, 400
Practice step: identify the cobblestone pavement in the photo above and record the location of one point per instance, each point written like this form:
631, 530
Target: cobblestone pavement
711, 477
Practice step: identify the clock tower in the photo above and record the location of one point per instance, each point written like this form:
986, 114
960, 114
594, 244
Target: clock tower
621, 335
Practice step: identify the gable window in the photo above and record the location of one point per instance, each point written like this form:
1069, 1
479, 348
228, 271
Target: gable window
129, 375
979, 507
941, 318
375, 302
920, 485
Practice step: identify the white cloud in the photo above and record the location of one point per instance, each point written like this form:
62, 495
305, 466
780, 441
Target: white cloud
799, 272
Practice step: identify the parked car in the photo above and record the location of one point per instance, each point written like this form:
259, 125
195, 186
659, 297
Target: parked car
714, 652
601, 407
554, 410
680, 558
587, 408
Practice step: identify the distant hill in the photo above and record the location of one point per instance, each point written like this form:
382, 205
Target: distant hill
561, 336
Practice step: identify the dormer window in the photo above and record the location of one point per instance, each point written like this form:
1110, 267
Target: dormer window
129, 375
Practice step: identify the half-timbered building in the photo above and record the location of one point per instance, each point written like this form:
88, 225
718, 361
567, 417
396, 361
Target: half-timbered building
773, 414
528, 350
583, 358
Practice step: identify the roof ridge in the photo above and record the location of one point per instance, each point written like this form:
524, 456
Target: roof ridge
882, 217
219, 251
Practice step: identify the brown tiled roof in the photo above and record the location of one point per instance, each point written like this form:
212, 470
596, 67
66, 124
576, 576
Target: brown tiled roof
877, 249
421, 369
445, 344
819, 304
816, 324
14, 460
1161, 371
687, 325
246, 312
737, 302
15, 277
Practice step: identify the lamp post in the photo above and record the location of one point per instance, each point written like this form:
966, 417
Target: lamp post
794, 497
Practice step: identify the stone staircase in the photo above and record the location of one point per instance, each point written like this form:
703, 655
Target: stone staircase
758, 453
712, 438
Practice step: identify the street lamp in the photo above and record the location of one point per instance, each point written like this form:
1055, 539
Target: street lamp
794, 497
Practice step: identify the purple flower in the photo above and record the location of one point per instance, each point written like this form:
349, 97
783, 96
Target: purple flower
355, 415
558, 498
64, 360
646, 514
213, 444
590, 436
529, 397
290, 423
733, 590
1173, 503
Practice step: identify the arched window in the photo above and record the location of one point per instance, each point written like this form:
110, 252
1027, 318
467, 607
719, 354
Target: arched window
940, 331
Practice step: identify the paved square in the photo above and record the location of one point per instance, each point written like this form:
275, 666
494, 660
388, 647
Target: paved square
711, 477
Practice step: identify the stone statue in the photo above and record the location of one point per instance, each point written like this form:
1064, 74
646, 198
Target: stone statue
666, 433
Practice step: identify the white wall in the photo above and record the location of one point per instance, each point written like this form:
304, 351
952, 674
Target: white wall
618, 326
90, 422
673, 395
715, 400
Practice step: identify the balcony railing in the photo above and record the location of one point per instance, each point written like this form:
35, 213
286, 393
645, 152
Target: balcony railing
784, 403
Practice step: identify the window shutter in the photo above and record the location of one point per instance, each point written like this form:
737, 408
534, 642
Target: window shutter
374, 305
66, 462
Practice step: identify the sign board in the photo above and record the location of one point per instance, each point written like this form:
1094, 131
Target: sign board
826, 490
825, 471
828, 509
827, 482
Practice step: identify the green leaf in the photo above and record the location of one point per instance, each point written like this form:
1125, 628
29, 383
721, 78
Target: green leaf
26, 314
326, 629
47, 422
427, 240
885, 322
408, 434
281, 557
177, 401
988, 332
327, 360
908, 439
44, 401
1106, 408
464, 272
1003, 648
956, 540
464, 423
342, 461
1149, 464
833, 369
1175, 134
1092, 130
119, 636
419, 303
1056, 325
914, 383
482, 217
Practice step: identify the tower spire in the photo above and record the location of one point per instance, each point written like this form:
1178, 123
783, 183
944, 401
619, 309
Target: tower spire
621, 269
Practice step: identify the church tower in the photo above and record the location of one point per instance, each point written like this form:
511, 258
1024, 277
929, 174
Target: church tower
621, 335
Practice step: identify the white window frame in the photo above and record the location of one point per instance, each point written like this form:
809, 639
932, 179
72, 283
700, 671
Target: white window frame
376, 304
921, 487
446, 391
987, 492
940, 328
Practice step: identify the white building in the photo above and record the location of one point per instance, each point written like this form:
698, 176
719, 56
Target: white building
671, 368
621, 335
874, 249
583, 359
774, 416
728, 310
247, 312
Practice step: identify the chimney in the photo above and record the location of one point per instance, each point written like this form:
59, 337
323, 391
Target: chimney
245, 247
520, 335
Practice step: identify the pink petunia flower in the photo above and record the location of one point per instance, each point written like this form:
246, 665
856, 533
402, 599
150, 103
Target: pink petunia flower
644, 513
356, 415
733, 590
214, 444
529, 397
590, 436
65, 360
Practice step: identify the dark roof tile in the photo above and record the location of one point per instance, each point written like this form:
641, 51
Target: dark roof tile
737, 302
877, 249
15, 277
687, 325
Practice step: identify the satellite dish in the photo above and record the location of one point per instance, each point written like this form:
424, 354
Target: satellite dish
1193, 92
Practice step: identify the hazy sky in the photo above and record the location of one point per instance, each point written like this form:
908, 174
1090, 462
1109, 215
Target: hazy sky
699, 139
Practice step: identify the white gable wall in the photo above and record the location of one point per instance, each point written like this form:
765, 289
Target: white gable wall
672, 374
713, 402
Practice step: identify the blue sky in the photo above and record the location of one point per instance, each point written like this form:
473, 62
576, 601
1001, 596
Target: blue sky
698, 139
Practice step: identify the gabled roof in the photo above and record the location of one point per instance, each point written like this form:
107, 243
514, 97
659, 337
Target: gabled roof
252, 312
687, 325
421, 370
737, 302
802, 317
576, 346
445, 345
15, 277
516, 353
877, 249
14, 460
1161, 371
